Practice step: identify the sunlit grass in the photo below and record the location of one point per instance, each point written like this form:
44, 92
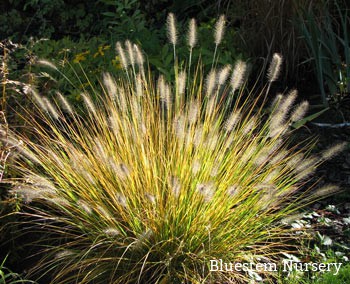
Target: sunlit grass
158, 177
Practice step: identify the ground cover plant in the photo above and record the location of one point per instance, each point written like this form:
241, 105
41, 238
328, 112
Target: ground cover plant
329, 278
158, 177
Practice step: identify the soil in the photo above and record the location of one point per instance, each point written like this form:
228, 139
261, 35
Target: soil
335, 171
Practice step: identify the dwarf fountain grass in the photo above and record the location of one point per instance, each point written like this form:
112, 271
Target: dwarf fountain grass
158, 179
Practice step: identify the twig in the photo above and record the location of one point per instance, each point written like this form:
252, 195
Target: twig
329, 125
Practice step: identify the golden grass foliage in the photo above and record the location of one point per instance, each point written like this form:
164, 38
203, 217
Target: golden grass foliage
157, 178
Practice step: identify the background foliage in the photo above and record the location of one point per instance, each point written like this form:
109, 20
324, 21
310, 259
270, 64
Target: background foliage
256, 29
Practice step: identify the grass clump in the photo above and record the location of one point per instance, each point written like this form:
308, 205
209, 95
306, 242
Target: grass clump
158, 178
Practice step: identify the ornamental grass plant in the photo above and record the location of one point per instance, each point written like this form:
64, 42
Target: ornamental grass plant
157, 178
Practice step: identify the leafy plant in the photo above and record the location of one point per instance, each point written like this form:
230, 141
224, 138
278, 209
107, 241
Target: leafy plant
328, 43
157, 179
125, 18
21, 20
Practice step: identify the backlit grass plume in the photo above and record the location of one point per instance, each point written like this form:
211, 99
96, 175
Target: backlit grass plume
157, 179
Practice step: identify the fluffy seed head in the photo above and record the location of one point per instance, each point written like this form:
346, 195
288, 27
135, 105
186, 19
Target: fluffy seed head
27, 193
99, 150
299, 112
271, 176
192, 33
277, 130
277, 158
207, 190
210, 82
278, 119
175, 185
65, 104
193, 112
122, 55
38, 98
238, 75
122, 102
196, 166
306, 164
139, 87
50, 107
130, 51
295, 160
102, 210
232, 121
26, 152
121, 200
276, 101
64, 253
139, 56
171, 28
261, 158
275, 67
326, 190
287, 103
164, 91
110, 85
232, 190
249, 126
179, 127
88, 103
181, 82
334, 150
151, 198
47, 64
212, 142
223, 74
142, 238
198, 136
111, 232
214, 171
219, 29
83, 205
122, 171
166, 97
305, 174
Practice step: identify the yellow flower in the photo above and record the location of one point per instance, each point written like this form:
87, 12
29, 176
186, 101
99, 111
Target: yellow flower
116, 63
101, 49
81, 56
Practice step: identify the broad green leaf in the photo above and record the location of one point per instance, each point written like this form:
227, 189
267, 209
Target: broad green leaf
311, 117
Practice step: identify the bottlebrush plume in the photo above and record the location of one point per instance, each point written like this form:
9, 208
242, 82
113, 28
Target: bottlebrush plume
122, 56
219, 29
223, 74
238, 75
171, 28
275, 67
192, 33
